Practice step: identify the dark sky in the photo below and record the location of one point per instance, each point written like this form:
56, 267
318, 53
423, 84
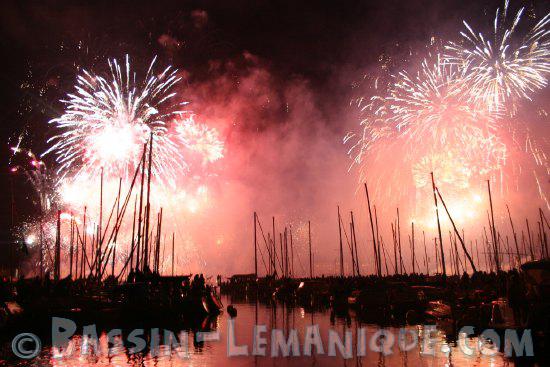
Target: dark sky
330, 44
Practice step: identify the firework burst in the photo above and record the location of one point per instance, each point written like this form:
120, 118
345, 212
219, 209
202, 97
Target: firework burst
453, 115
421, 122
432, 114
502, 69
26, 163
427, 113
200, 139
107, 120
104, 129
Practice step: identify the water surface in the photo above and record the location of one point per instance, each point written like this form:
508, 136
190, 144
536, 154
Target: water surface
214, 353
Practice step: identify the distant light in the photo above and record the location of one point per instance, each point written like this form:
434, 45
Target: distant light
202, 190
192, 205
65, 216
30, 240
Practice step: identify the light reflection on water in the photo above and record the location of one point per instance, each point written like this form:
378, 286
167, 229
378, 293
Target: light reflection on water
215, 353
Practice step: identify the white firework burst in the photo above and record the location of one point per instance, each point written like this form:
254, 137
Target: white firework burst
107, 121
503, 68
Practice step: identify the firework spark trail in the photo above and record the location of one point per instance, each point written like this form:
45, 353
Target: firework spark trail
501, 71
107, 121
375, 129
